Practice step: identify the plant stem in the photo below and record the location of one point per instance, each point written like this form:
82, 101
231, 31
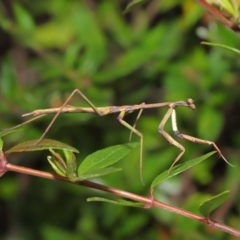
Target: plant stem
148, 201
219, 15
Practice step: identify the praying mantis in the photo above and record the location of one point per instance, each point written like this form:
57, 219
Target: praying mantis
123, 110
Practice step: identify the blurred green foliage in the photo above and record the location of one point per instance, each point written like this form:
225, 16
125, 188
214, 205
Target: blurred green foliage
152, 54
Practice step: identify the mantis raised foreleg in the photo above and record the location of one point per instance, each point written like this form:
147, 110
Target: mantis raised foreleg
172, 112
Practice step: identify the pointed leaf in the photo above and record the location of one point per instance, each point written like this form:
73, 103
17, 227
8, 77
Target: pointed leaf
179, 168
43, 145
8, 76
134, 4
118, 202
23, 18
211, 204
105, 157
57, 163
96, 173
71, 164
222, 46
55, 167
4, 132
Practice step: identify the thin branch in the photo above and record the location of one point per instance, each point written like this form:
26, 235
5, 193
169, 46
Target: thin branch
148, 201
217, 14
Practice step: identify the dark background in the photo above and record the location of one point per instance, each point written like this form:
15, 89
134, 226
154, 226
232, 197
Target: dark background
153, 54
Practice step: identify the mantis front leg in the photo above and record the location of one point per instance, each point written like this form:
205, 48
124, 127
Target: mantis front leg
193, 139
172, 112
169, 138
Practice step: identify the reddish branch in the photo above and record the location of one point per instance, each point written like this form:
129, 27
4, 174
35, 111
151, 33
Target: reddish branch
147, 201
219, 15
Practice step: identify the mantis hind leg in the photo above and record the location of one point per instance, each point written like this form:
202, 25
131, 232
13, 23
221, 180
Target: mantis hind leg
24, 123
76, 91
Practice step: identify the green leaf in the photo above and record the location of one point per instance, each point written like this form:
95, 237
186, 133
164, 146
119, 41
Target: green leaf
137, 56
225, 5
222, 46
105, 157
52, 34
118, 202
95, 173
1, 144
42, 145
179, 168
94, 41
71, 164
57, 163
23, 18
211, 204
8, 77
210, 117
6, 132
56, 167
134, 4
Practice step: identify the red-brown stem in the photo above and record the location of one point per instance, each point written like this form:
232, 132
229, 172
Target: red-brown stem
148, 201
214, 11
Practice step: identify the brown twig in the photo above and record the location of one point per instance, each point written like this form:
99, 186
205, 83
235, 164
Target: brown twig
216, 13
147, 201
